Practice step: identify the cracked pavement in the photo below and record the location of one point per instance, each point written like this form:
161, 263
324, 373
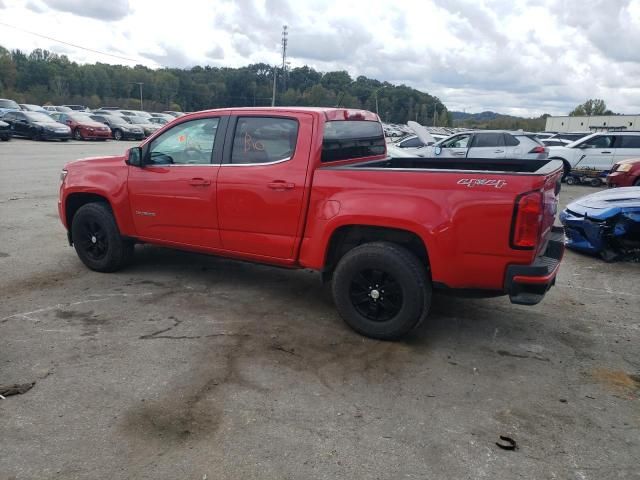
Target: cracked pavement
187, 366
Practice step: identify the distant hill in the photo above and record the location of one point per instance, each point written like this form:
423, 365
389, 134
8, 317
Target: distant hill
493, 120
479, 117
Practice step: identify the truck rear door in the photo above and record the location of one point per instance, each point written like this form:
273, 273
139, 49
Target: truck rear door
261, 183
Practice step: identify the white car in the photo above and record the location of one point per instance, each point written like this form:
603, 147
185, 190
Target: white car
598, 151
487, 144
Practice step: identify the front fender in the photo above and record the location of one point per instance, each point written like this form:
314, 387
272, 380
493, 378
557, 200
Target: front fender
108, 183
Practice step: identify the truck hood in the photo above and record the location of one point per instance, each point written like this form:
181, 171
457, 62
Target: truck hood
93, 162
607, 203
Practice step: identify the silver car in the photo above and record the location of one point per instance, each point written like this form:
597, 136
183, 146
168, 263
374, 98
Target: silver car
488, 144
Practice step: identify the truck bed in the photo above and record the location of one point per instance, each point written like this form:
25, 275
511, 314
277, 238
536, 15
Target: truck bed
494, 165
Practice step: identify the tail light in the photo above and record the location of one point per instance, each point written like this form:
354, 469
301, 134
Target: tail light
527, 219
539, 149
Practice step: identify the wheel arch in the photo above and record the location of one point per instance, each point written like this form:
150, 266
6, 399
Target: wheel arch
346, 237
76, 200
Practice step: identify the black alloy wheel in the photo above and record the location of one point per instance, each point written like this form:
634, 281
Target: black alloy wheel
376, 295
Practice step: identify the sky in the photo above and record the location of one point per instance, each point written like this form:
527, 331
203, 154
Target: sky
519, 57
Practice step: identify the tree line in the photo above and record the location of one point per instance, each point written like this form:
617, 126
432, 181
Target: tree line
43, 77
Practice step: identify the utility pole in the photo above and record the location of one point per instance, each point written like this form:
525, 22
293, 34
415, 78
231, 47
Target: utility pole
376, 95
285, 41
435, 114
139, 85
275, 78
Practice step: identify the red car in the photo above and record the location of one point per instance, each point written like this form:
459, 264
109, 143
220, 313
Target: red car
314, 188
82, 126
625, 173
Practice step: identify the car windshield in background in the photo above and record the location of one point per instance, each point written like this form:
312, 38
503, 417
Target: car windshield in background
38, 117
79, 117
9, 104
132, 119
348, 139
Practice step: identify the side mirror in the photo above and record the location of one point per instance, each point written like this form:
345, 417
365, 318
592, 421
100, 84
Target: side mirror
437, 150
582, 146
134, 157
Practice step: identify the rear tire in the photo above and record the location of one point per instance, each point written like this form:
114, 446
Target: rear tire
571, 181
381, 290
77, 135
637, 182
595, 182
97, 240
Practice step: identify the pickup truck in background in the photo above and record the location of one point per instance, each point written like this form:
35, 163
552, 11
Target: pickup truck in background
314, 188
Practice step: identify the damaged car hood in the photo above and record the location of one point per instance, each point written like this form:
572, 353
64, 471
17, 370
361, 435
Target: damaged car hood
607, 203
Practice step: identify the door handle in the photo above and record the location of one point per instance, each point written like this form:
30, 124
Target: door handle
498, 151
199, 182
459, 153
605, 152
281, 185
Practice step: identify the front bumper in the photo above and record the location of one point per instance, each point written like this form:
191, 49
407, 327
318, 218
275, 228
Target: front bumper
46, 135
528, 284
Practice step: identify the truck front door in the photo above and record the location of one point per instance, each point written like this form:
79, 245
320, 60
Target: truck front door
261, 184
173, 195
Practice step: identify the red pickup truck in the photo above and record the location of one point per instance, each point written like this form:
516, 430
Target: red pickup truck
314, 188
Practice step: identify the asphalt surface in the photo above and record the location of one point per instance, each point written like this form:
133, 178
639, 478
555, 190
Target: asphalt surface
192, 367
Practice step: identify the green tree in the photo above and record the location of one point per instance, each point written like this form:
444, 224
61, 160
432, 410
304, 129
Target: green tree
593, 106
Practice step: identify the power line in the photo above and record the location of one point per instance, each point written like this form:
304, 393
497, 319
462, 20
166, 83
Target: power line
69, 44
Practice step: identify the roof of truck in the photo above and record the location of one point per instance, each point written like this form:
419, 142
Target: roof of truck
330, 113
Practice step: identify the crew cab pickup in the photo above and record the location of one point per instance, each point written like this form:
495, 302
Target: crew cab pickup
314, 188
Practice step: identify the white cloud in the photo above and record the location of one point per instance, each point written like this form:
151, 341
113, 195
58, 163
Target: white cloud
513, 56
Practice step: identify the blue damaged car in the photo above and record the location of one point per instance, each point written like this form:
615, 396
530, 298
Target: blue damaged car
606, 223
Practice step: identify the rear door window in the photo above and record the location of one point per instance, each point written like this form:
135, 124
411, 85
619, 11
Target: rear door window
264, 140
628, 141
350, 139
488, 140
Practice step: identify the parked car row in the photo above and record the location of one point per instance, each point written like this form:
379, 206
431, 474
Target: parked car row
79, 122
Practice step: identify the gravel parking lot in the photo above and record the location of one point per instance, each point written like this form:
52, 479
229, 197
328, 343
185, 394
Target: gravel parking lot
191, 367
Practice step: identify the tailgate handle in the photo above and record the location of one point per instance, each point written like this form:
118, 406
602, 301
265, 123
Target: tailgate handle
281, 185
199, 182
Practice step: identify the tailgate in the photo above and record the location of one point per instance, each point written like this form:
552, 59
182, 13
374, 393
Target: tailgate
550, 198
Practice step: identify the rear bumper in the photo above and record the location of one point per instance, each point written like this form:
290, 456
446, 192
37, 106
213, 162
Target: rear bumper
620, 179
527, 284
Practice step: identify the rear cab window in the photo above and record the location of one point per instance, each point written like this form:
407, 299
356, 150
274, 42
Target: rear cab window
352, 139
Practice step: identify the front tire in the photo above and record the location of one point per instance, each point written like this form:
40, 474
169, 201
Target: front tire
381, 290
77, 135
117, 134
97, 240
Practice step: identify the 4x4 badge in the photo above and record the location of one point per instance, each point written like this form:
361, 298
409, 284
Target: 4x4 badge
481, 182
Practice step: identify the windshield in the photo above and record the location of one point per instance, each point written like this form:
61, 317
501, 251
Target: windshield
9, 104
38, 117
137, 120
79, 117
